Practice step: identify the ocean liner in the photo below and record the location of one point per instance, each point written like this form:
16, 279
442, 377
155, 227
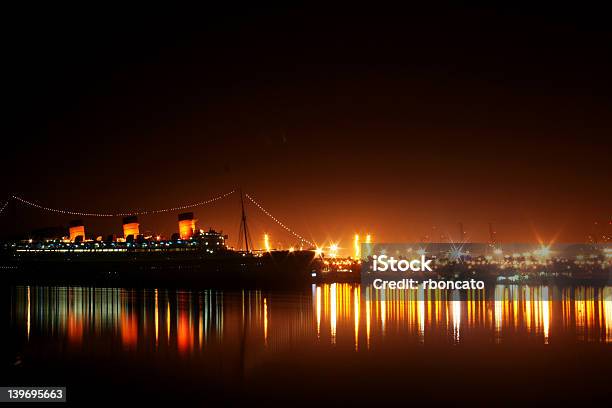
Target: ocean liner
190, 258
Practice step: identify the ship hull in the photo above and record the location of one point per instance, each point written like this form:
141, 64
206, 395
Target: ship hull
277, 269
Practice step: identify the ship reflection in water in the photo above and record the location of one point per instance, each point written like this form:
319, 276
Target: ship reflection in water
230, 338
189, 321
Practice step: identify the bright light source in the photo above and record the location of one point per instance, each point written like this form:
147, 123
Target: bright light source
267, 242
333, 250
543, 252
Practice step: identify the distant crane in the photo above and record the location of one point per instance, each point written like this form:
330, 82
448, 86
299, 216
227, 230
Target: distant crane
492, 235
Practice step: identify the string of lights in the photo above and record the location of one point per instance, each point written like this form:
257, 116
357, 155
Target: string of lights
121, 214
301, 238
4, 206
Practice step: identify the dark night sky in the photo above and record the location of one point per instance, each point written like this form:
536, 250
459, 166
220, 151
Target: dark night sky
338, 121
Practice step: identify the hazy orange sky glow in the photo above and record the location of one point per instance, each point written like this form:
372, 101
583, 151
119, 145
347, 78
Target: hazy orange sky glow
398, 126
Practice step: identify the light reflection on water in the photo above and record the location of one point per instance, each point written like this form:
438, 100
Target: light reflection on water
336, 315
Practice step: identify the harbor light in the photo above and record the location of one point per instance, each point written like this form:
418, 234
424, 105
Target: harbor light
267, 242
542, 252
333, 250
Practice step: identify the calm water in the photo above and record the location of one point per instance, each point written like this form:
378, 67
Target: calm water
328, 344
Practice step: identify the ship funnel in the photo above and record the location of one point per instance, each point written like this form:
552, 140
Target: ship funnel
131, 226
77, 229
186, 225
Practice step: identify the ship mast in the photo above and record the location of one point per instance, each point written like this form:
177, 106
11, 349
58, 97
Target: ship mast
244, 229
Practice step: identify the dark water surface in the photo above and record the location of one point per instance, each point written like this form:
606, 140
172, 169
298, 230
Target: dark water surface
328, 344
